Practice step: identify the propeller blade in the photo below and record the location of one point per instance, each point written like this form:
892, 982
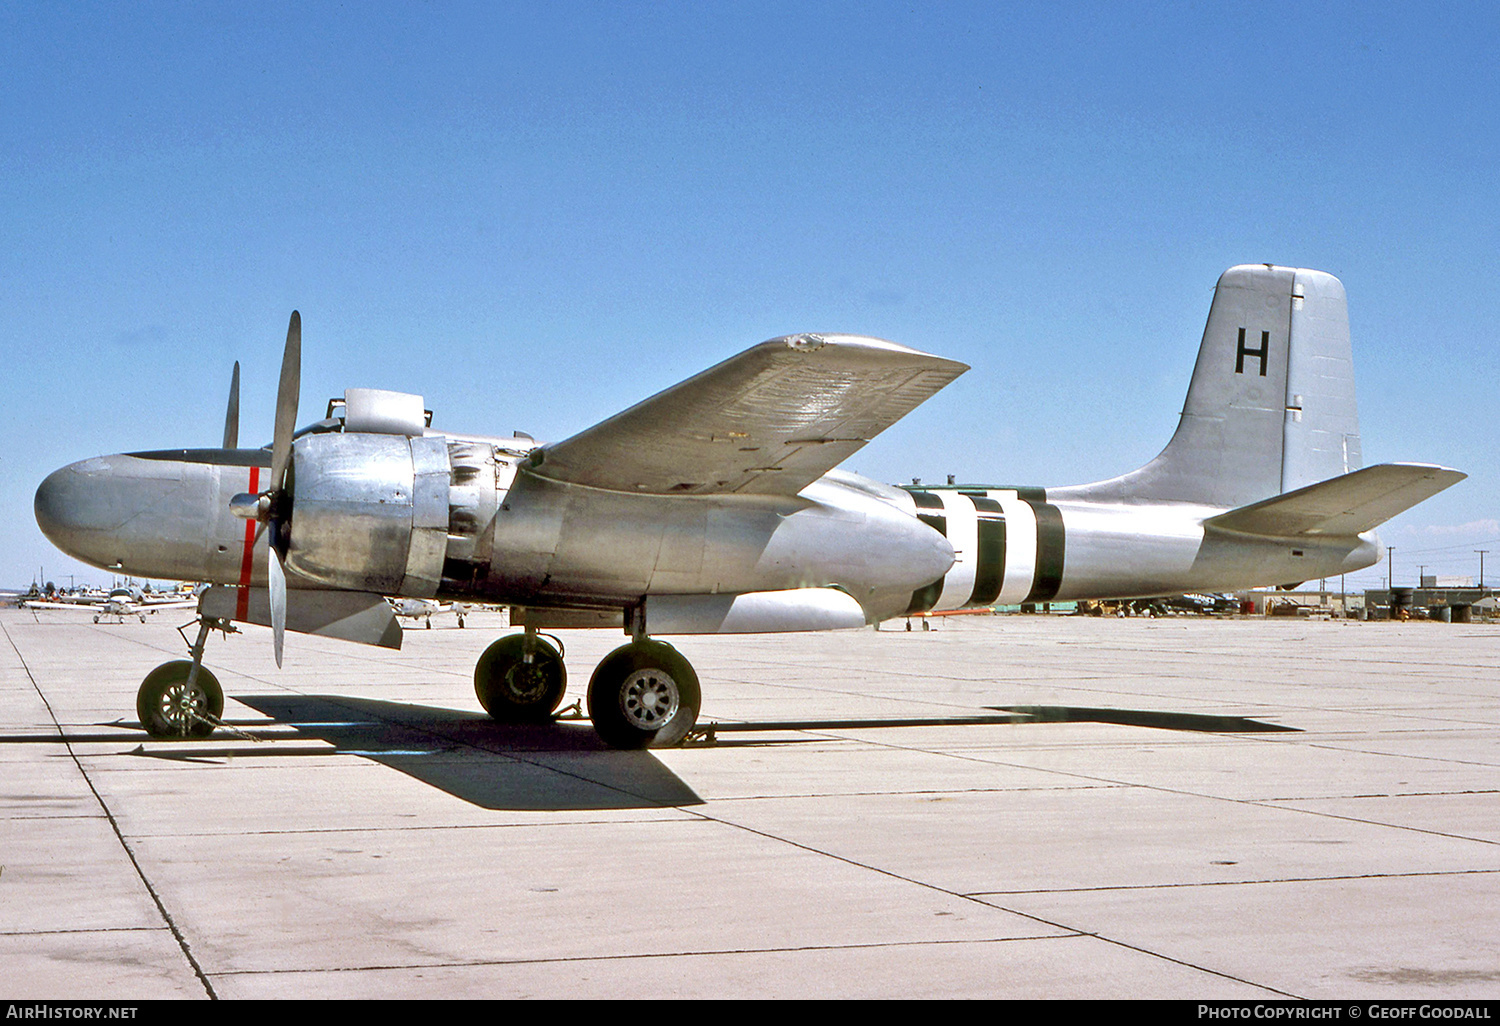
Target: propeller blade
232, 415
278, 600
286, 403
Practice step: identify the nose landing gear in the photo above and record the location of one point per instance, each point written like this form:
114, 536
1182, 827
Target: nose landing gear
181, 699
175, 702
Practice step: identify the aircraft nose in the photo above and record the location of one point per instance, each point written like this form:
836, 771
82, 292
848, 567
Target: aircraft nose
69, 506
114, 511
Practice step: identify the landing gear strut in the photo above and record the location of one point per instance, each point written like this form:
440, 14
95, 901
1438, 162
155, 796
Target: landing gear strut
181, 699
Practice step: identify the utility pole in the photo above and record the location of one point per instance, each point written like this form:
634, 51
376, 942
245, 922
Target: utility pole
1481, 565
1421, 573
1390, 566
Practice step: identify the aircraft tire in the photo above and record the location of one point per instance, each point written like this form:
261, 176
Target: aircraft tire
644, 695
167, 710
512, 691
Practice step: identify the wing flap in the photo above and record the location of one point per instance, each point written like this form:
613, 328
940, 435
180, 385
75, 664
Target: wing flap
1342, 506
769, 421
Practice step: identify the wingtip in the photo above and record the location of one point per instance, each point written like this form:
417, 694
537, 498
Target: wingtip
813, 341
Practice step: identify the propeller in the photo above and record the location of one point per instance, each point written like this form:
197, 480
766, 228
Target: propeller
281, 460
232, 415
272, 507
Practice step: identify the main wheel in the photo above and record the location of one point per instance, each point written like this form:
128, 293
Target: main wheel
642, 695
515, 691
169, 708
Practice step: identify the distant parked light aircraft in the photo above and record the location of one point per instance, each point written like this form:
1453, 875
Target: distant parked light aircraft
714, 507
117, 604
426, 609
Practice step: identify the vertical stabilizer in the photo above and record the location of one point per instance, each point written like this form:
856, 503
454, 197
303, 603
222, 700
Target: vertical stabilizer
1271, 406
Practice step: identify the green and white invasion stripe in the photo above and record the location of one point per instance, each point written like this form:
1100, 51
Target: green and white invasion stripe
1009, 546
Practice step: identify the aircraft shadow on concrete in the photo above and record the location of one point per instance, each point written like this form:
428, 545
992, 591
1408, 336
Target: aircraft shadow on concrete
1144, 718
1006, 714
556, 766
544, 767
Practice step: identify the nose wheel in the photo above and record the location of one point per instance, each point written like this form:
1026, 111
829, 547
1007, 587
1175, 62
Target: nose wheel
181, 699
173, 702
644, 695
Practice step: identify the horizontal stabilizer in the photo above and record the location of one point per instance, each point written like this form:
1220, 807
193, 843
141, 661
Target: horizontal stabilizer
1341, 506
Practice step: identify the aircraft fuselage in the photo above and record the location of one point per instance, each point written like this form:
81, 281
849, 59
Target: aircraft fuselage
166, 515
465, 519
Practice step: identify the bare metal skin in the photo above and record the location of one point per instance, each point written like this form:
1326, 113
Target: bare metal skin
715, 507
552, 543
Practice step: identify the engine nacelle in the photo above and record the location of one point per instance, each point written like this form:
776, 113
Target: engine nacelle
370, 511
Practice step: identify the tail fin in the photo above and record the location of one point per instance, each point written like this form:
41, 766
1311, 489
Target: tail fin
1271, 407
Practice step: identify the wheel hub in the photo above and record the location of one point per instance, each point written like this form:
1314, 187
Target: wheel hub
527, 682
182, 706
649, 699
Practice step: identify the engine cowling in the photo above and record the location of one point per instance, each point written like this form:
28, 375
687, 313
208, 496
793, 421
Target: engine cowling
370, 511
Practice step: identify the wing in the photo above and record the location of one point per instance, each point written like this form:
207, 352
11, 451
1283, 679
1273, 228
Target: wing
769, 421
1347, 505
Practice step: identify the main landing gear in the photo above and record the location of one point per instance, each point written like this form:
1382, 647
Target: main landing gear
642, 695
181, 699
520, 679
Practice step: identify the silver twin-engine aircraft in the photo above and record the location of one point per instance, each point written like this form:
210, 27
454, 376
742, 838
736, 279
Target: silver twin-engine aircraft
714, 507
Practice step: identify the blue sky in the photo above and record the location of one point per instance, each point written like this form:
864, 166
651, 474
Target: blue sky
535, 215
